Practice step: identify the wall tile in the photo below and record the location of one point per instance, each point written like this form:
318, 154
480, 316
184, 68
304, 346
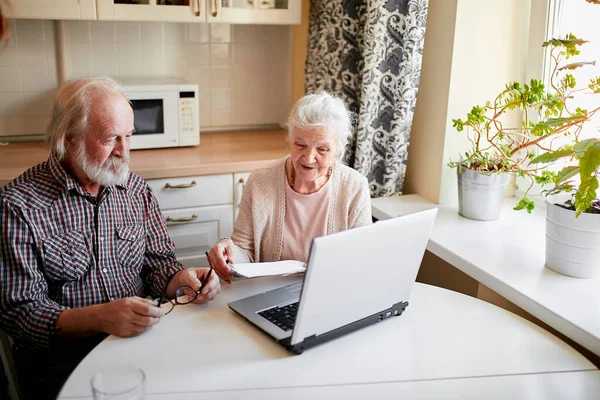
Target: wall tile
220, 99
103, 31
37, 103
10, 104
198, 33
104, 57
153, 61
152, 33
243, 33
30, 42
220, 77
29, 31
36, 79
80, 55
199, 76
220, 33
176, 60
204, 100
10, 79
128, 33
197, 55
129, 61
219, 55
8, 54
78, 31
204, 120
174, 32
220, 118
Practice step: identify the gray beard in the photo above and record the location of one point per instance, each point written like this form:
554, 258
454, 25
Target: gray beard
114, 171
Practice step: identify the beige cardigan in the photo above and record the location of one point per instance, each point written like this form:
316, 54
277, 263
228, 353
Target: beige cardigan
258, 230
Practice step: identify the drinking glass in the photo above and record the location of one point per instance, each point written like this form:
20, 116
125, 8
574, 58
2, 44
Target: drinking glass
121, 382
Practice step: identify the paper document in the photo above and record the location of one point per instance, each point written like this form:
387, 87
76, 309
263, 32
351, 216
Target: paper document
255, 270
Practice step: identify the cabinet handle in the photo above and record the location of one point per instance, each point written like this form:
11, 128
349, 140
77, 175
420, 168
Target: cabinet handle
198, 11
187, 219
180, 186
243, 182
214, 13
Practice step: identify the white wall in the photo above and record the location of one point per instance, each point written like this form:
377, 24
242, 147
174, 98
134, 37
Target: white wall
244, 71
472, 49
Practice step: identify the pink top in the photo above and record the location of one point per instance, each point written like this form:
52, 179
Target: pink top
305, 219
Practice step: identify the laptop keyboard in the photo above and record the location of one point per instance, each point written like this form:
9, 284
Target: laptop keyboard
284, 317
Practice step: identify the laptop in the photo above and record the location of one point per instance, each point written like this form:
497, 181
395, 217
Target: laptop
354, 278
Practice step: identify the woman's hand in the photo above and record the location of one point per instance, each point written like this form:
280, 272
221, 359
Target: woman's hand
219, 256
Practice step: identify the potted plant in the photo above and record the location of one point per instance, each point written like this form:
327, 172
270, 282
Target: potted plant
572, 204
498, 150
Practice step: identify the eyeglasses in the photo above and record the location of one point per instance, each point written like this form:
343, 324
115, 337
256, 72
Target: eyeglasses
183, 295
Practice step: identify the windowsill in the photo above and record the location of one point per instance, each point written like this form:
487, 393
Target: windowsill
507, 255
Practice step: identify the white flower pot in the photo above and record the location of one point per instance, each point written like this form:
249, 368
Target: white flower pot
480, 196
572, 244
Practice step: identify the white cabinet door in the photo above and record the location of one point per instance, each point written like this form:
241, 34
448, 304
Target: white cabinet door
239, 181
152, 10
195, 230
53, 9
284, 12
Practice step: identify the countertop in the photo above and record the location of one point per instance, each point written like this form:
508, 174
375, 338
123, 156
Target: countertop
218, 153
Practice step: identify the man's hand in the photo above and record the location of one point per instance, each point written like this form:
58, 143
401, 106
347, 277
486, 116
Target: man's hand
221, 254
129, 316
193, 277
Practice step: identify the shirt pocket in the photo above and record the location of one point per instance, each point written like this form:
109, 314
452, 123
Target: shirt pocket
66, 256
130, 245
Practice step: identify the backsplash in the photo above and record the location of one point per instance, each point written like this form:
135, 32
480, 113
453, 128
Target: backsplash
243, 71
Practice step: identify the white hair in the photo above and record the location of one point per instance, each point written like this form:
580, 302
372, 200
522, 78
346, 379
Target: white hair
71, 109
114, 171
322, 109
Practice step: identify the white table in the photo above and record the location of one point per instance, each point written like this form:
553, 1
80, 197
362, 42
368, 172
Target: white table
445, 345
507, 255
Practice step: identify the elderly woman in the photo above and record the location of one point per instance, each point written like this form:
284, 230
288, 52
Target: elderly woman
309, 193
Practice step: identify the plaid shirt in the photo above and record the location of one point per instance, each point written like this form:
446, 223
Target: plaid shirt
62, 248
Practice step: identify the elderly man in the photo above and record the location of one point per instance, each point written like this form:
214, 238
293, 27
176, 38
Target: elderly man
83, 242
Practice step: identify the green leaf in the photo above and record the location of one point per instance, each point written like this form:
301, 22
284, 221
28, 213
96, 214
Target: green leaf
585, 195
583, 146
545, 177
549, 157
566, 173
559, 121
525, 204
589, 163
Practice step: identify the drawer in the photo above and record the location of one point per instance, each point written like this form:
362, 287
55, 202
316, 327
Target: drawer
193, 191
195, 230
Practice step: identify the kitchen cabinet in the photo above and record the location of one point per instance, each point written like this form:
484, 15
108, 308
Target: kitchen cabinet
198, 211
239, 182
284, 12
213, 11
152, 10
53, 9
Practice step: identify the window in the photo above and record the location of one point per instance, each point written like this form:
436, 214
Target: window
556, 18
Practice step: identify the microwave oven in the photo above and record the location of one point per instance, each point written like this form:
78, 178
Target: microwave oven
165, 113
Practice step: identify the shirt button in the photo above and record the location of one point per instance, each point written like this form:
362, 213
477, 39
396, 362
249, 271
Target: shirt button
104, 270
111, 298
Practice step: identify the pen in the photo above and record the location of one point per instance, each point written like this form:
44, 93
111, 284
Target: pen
207, 275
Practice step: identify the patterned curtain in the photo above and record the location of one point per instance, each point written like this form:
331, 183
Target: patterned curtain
369, 53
